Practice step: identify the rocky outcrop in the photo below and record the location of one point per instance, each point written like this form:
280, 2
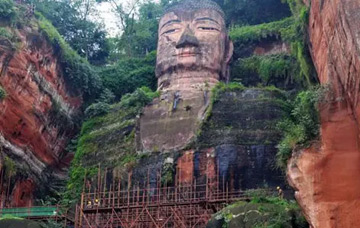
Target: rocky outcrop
326, 176
36, 114
264, 213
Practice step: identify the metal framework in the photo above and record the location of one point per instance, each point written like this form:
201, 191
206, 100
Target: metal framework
185, 205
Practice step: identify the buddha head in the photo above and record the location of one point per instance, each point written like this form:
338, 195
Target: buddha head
193, 38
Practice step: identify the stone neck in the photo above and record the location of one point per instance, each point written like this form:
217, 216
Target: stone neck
188, 82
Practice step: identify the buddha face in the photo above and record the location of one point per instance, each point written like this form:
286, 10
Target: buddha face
193, 41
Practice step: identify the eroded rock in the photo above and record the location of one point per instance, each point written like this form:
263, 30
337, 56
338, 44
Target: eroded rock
36, 114
326, 176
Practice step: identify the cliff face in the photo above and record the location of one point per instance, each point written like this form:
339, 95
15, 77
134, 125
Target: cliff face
236, 142
326, 176
36, 114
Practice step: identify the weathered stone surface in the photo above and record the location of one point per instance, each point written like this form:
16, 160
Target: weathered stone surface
326, 176
271, 48
31, 131
193, 54
170, 122
237, 143
23, 193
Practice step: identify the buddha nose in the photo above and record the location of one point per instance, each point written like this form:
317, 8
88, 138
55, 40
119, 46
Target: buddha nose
187, 39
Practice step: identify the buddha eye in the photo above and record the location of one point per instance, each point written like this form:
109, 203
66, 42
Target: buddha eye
169, 31
208, 29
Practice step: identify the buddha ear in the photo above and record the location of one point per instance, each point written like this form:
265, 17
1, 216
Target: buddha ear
228, 55
229, 51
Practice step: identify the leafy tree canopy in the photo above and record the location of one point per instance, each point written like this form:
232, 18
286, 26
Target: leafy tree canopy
72, 21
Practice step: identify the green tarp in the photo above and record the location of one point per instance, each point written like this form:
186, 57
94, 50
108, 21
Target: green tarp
29, 212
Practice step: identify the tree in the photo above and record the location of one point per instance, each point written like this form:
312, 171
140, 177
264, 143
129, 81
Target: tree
250, 12
138, 21
72, 21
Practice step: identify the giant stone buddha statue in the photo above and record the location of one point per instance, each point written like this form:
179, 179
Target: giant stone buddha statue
193, 55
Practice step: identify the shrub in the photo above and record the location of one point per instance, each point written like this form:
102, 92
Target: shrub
291, 30
6, 34
139, 98
7, 10
130, 73
301, 127
279, 69
107, 96
224, 87
97, 109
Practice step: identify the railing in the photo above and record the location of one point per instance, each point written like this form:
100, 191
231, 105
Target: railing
31, 212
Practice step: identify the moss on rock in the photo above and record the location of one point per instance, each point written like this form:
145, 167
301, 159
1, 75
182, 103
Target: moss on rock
292, 31
270, 213
108, 141
242, 116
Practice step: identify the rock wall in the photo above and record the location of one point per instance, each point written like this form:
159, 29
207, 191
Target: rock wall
326, 176
237, 143
36, 114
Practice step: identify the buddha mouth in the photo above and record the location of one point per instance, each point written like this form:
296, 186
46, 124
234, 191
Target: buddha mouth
187, 54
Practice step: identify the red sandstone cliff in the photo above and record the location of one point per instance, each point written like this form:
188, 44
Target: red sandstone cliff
326, 176
30, 131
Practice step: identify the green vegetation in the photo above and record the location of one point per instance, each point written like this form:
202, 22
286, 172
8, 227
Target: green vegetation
239, 115
245, 35
86, 37
302, 126
114, 134
7, 10
5, 33
2, 93
222, 87
97, 109
291, 30
250, 12
130, 73
10, 167
278, 69
269, 212
80, 75
168, 172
